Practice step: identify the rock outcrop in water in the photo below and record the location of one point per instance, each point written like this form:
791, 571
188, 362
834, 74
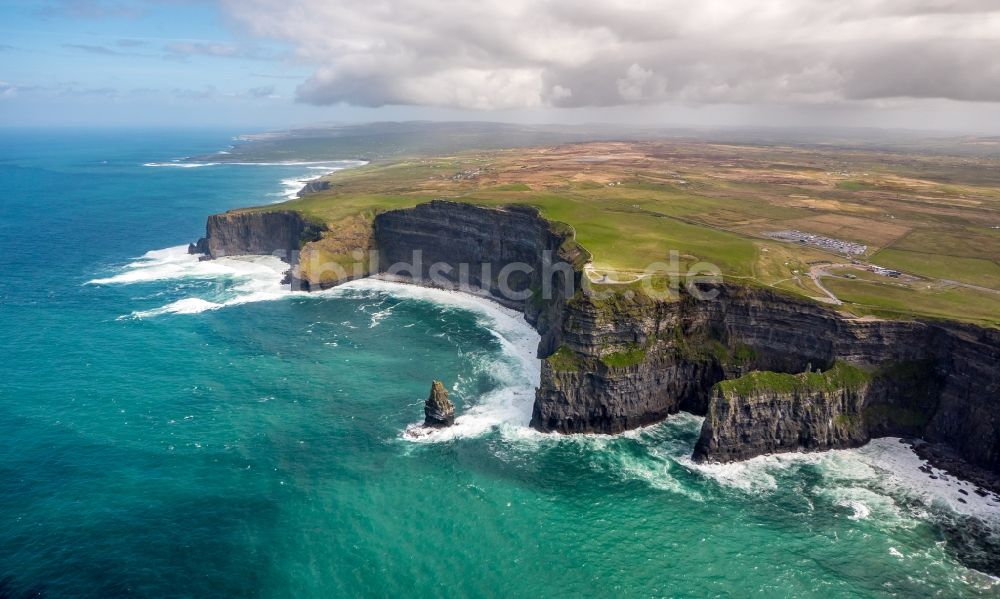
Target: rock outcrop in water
439, 412
626, 360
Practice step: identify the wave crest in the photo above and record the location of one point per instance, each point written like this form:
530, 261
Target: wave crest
258, 278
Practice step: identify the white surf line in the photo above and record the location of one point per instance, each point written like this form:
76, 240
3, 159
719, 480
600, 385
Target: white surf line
519, 374
258, 279
293, 185
338, 164
180, 164
883, 463
507, 406
866, 478
901, 467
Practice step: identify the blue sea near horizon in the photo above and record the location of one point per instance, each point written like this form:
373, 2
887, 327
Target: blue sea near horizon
175, 428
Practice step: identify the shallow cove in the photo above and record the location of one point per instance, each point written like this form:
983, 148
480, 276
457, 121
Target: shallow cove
255, 448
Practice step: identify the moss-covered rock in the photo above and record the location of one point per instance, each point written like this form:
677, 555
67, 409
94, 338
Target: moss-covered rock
841, 376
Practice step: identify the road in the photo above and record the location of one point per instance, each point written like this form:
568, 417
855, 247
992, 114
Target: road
817, 272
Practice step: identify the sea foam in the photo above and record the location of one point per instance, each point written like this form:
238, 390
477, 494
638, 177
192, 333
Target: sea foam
257, 278
290, 185
862, 481
880, 477
293, 185
180, 164
519, 372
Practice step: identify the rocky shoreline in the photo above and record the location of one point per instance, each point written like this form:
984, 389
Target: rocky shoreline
770, 372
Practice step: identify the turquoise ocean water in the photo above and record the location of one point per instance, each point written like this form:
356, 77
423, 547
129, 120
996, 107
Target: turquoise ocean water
182, 429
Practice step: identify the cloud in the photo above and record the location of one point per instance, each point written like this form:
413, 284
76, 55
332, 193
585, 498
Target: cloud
275, 76
57, 89
7, 90
92, 49
640, 85
266, 91
194, 94
91, 9
185, 49
95, 91
497, 54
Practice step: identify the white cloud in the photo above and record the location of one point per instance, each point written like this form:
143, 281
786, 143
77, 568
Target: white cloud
497, 54
641, 85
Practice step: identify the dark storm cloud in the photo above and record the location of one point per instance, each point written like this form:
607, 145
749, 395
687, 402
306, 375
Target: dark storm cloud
965, 70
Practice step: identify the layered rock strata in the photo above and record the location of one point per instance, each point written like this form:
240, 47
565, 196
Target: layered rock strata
623, 359
250, 232
510, 255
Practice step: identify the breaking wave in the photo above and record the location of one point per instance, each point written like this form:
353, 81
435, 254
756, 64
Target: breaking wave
314, 164
508, 406
258, 279
313, 169
181, 164
254, 279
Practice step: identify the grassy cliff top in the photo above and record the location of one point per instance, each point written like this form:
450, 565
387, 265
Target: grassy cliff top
841, 376
933, 218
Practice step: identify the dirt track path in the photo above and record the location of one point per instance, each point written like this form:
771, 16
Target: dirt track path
816, 273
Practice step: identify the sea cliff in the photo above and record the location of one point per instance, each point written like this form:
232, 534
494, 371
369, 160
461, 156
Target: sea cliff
767, 369
251, 232
479, 250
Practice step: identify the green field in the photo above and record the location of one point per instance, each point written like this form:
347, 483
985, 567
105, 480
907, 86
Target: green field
866, 298
634, 204
975, 271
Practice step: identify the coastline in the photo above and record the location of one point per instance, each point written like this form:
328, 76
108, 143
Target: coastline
265, 439
896, 466
906, 378
887, 454
293, 186
919, 473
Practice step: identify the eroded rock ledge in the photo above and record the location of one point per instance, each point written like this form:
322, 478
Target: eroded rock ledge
247, 232
625, 361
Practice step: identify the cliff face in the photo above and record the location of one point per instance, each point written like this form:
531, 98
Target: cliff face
744, 426
342, 253
612, 372
482, 250
618, 362
238, 233
968, 411
767, 412
628, 361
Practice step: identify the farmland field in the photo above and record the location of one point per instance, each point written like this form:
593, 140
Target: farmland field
932, 217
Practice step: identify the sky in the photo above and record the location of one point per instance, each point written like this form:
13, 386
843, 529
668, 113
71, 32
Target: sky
916, 64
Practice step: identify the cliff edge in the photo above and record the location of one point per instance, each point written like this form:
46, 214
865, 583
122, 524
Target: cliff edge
616, 360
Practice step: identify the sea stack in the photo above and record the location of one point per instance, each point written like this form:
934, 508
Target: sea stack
438, 411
